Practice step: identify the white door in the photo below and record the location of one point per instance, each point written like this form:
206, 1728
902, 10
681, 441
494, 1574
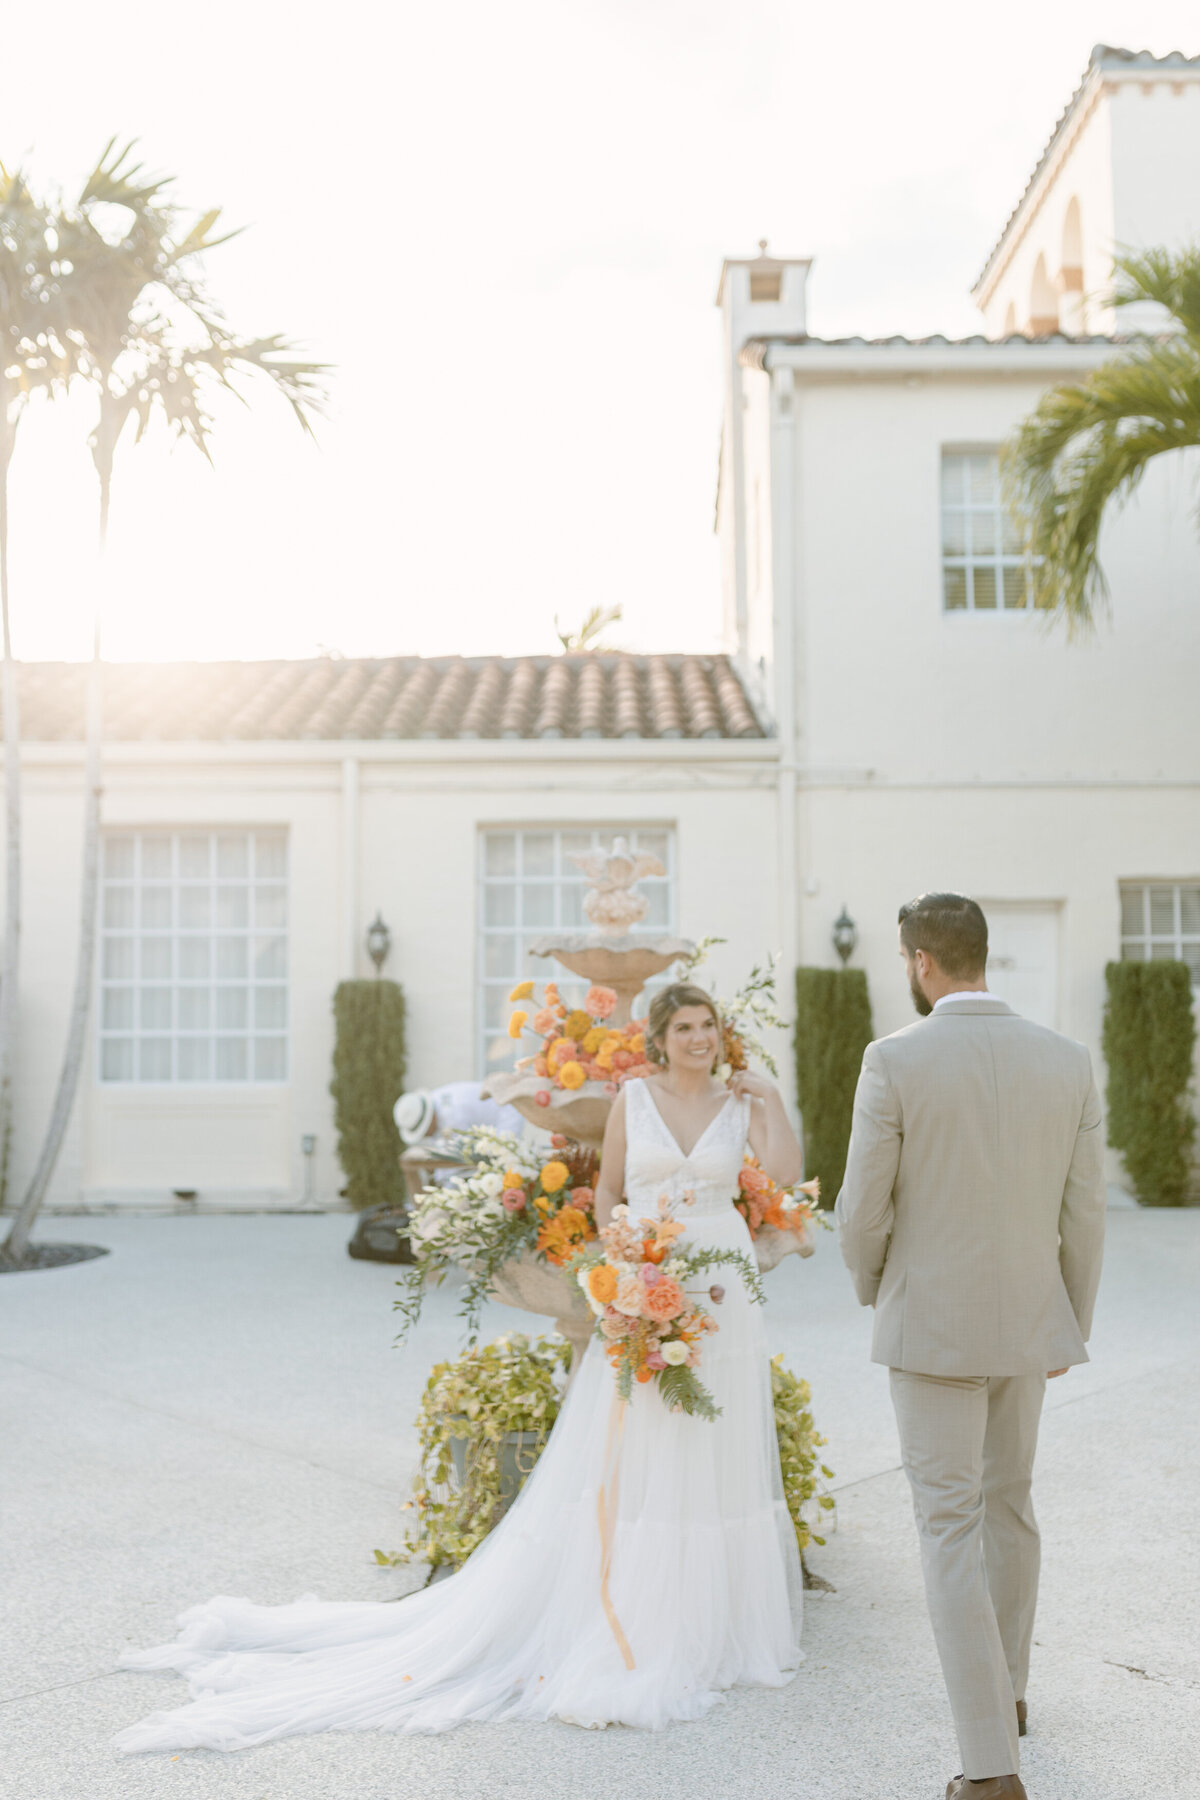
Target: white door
1023, 958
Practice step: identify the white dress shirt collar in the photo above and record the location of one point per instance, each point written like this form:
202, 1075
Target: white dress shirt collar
968, 994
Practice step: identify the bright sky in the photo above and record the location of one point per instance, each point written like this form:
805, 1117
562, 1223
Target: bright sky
505, 224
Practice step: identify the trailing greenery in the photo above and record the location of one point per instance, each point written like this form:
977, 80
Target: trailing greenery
1149, 1040
804, 1474
833, 1028
513, 1385
1087, 443
368, 1079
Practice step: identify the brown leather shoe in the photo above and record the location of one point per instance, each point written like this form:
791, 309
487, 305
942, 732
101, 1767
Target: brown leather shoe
1000, 1787
1022, 1716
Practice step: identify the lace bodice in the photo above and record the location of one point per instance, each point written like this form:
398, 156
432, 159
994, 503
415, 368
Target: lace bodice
655, 1165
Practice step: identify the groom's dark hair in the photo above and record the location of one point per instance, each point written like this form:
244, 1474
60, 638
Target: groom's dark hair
948, 927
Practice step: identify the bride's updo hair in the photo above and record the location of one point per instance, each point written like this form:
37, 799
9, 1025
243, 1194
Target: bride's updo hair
665, 1004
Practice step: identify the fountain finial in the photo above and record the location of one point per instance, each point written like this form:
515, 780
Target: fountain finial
610, 902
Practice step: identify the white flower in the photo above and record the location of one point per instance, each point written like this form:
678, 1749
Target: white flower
491, 1184
629, 1295
675, 1353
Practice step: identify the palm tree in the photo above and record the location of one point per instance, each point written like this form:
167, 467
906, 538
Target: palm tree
31, 358
587, 636
149, 339
1088, 444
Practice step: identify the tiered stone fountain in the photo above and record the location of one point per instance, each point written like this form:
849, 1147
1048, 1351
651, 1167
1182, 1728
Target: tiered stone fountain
610, 956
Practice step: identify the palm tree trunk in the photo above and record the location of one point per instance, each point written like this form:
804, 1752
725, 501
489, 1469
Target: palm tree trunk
10, 966
68, 1080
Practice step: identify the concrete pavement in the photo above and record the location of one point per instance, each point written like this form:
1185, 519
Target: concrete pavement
217, 1407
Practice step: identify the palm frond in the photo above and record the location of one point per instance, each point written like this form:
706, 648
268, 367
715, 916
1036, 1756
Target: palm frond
1170, 279
1086, 446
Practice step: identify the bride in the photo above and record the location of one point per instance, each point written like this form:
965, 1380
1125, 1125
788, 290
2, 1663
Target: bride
701, 1583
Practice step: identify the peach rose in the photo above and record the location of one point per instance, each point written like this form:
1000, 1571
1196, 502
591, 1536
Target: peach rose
665, 1300
599, 1001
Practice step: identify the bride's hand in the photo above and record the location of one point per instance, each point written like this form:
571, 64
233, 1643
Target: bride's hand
756, 1087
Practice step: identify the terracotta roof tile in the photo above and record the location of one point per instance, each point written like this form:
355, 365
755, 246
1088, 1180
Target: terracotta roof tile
592, 695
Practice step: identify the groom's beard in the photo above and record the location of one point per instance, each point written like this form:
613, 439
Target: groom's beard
923, 1005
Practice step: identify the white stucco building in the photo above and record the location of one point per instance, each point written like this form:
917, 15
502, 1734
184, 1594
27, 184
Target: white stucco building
891, 716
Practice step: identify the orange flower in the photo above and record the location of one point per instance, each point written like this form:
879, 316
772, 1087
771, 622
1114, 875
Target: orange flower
572, 1075
645, 1374
664, 1300
516, 1024
637, 1042
751, 1180
602, 1283
577, 1025
653, 1252
600, 1001
595, 1037
544, 1020
512, 1179
561, 1050
540, 1066
554, 1176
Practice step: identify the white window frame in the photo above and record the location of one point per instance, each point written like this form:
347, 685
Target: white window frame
999, 560
567, 884
1162, 945
170, 977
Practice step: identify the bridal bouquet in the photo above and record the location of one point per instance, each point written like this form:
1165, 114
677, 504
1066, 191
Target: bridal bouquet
633, 1278
509, 1200
577, 1043
762, 1201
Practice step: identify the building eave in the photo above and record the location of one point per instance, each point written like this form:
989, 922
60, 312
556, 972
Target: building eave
851, 358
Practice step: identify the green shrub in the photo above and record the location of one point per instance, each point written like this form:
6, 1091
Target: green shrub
833, 1028
1149, 1038
804, 1474
368, 1079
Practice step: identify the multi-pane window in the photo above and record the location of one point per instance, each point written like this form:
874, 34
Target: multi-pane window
984, 568
1160, 922
193, 956
528, 887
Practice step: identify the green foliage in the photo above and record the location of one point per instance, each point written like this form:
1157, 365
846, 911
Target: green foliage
1149, 1039
833, 1028
513, 1385
681, 1391
368, 1079
799, 1441
1089, 443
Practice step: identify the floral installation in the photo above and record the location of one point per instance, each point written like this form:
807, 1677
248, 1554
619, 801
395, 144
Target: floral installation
510, 1200
652, 1329
494, 1399
577, 1043
762, 1201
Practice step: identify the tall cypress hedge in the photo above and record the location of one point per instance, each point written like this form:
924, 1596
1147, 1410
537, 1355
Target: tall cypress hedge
1149, 1039
368, 1079
833, 1028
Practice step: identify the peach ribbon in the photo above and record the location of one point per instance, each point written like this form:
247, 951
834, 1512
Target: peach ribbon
606, 1510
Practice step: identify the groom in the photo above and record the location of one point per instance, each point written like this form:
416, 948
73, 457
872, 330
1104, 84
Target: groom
972, 1220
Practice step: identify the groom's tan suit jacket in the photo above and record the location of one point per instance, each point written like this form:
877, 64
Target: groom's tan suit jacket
972, 1212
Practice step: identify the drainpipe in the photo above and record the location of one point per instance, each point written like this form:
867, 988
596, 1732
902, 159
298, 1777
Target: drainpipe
784, 599
349, 956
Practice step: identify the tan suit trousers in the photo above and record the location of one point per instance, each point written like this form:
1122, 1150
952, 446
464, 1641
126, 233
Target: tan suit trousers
968, 1444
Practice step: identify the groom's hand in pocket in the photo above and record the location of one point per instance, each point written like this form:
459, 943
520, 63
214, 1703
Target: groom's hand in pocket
1054, 1374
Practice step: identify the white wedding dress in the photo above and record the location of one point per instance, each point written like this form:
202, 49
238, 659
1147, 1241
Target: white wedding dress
704, 1576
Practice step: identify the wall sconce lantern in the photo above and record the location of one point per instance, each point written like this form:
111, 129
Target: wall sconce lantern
845, 935
379, 942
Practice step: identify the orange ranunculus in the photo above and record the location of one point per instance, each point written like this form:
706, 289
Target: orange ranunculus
602, 1283
572, 1075
577, 1025
604, 1058
637, 1043
652, 1251
752, 1180
522, 991
664, 1300
517, 1023
555, 1175
645, 1374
